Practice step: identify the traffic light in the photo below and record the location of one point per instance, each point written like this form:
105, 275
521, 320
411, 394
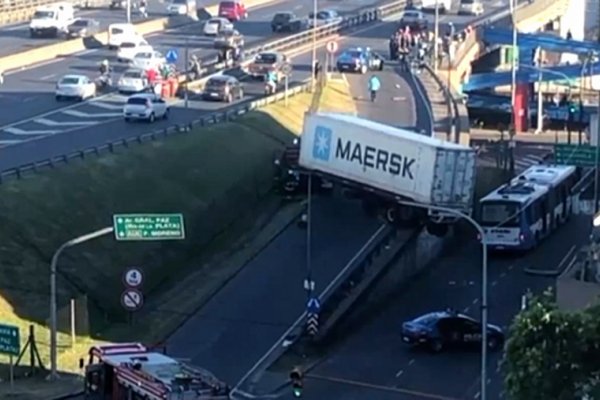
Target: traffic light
297, 377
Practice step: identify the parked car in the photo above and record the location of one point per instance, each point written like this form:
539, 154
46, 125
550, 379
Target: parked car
286, 22
443, 329
128, 50
324, 17
215, 26
83, 27
78, 87
133, 80
223, 88
230, 39
145, 107
233, 10
148, 59
265, 62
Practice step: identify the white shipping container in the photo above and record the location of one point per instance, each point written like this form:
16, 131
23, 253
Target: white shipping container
394, 160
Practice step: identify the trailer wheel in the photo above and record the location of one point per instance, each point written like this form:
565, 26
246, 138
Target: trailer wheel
406, 217
439, 230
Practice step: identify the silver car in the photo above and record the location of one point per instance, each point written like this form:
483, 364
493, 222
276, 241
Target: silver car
133, 80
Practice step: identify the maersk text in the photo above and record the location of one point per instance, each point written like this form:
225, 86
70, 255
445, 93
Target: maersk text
371, 157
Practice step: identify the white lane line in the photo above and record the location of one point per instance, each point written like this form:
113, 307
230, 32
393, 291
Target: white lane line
21, 132
564, 259
494, 283
9, 142
477, 395
475, 301
466, 309
411, 362
399, 373
46, 77
106, 106
81, 114
503, 274
49, 122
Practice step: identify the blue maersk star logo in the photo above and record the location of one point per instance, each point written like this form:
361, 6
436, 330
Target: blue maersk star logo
322, 143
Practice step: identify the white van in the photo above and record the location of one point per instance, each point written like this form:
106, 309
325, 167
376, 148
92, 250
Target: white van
120, 33
51, 20
471, 7
443, 5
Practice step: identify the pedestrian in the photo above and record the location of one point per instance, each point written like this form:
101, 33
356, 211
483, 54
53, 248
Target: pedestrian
316, 69
1, 77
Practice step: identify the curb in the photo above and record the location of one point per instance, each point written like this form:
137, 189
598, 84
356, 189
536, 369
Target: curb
68, 396
542, 272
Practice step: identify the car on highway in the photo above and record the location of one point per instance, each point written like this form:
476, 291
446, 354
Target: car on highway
443, 6
266, 62
117, 4
145, 107
128, 49
223, 88
359, 60
119, 33
471, 7
414, 19
83, 27
148, 60
233, 10
51, 20
215, 26
133, 80
78, 87
229, 39
181, 7
323, 17
287, 22
444, 329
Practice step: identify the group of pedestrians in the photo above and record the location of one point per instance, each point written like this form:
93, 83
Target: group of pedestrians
409, 46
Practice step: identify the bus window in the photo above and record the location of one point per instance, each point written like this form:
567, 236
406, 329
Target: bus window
495, 213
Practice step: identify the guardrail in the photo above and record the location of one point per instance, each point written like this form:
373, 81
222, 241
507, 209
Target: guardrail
20, 10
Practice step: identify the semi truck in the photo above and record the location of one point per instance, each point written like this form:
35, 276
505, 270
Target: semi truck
386, 165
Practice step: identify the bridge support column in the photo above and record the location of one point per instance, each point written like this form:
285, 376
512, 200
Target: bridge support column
521, 108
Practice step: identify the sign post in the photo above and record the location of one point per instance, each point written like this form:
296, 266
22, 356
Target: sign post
132, 298
286, 70
312, 316
10, 344
148, 227
332, 48
171, 56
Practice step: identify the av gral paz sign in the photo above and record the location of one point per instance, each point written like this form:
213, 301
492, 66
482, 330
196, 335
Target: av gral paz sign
148, 227
367, 155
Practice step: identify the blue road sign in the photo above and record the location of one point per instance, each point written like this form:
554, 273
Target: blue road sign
313, 305
171, 56
312, 324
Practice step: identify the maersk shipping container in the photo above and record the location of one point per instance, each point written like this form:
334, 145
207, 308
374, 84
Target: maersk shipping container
394, 160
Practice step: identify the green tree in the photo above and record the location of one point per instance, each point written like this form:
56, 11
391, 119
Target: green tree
544, 356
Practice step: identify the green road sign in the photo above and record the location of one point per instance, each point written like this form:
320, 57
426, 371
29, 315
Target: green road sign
148, 226
573, 154
10, 341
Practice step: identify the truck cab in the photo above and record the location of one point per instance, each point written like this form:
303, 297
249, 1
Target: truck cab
51, 20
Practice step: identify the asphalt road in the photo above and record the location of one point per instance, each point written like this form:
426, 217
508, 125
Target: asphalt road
374, 363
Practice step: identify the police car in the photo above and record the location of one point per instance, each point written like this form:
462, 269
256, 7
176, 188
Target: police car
443, 329
359, 60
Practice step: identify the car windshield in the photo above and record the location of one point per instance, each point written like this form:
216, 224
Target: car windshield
411, 15
228, 4
427, 319
143, 55
216, 83
266, 58
467, 2
43, 14
69, 81
228, 33
352, 54
132, 74
498, 213
214, 22
127, 45
116, 31
179, 2
137, 101
320, 15
282, 17
80, 22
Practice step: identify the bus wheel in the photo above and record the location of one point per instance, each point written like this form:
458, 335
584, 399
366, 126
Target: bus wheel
439, 230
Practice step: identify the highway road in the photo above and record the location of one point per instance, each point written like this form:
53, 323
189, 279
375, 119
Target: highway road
375, 360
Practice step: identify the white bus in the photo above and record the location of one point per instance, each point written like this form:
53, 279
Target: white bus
519, 214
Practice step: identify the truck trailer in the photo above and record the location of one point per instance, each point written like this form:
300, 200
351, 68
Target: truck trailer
389, 164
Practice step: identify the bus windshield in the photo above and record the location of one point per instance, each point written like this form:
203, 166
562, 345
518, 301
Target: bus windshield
500, 213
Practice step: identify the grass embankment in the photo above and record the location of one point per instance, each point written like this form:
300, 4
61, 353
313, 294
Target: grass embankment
216, 177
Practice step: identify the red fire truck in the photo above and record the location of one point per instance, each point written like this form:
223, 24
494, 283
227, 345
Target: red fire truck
130, 371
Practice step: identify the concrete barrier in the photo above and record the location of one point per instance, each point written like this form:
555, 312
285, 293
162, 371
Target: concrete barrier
70, 47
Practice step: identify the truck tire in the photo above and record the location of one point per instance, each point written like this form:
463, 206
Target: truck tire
439, 230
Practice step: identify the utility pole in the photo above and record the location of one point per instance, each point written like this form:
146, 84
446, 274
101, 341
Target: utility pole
314, 45
128, 10
513, 93
187, 75
436, 35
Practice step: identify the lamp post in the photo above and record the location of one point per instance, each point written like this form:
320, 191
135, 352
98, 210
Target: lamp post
314, 44
436, 35
53, 307
484, 284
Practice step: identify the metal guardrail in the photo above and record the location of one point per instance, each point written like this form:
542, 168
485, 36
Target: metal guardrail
20, 10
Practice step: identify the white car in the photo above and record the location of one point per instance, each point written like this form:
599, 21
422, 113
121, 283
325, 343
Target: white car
324, 17
471, 7
148, 60
130, 48
181, 7
78, 87
132, 81
214, 26
145, 107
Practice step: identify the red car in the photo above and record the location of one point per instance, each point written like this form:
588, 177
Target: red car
233, 10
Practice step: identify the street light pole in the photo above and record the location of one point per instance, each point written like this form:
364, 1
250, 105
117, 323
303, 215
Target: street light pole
53, 307
309, 282
540, 99
484, 284
314, 44
436, 35
513, 89
128, 11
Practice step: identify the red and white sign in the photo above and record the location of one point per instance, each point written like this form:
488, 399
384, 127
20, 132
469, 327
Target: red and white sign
332, 47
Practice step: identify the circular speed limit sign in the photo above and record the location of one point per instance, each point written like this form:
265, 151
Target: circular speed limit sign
133, 277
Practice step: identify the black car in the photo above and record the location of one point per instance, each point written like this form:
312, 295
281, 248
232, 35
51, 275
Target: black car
83, 27
443, 329
286, 22
223, 88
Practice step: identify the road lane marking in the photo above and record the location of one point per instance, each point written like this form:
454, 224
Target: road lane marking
399, 373
466, 309
565, 258
81, 114
477, 395
475, 301
503, 274
411, 362
494, 283
510, 267
46, 77
49, 122
22, 132
415, 393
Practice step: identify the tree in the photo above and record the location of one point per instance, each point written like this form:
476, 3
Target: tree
545, 353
